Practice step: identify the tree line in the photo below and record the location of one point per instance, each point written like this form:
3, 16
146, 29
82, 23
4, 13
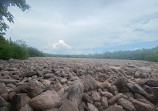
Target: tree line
17, 50
141, 54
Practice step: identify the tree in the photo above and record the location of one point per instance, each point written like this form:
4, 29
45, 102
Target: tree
5, 15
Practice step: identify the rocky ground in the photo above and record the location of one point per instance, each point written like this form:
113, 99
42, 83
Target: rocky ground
62, 84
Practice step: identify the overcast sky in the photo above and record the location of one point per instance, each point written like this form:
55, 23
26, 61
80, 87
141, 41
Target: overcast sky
86, 26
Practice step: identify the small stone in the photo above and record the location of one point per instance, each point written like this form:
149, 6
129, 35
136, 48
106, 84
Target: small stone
63, 80
107, 94
115, 98
126, 104
26, 108
57, 86
87, 98
104, 102
114, 108
96, 97
68, 106
91, 107
2, 102
53, 109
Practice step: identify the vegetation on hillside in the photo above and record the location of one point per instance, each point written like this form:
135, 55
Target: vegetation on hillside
17, 50
142, 54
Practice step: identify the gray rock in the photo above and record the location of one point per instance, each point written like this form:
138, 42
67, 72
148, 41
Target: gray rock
26, 108
95, 95
140, 106
104, 102
76, 92
91, 107
19, 100
89, 83
68, 106
126, 104
2, 102
114, 99
87, 98
114, 108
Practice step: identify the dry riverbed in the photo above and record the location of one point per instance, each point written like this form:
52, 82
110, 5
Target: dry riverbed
73, 84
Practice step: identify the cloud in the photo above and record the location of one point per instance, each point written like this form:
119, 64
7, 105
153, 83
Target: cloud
85, 24
61, 44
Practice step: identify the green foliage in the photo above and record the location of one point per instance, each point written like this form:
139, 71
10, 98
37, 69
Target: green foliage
6, 15
33, 52
144, 54
17, 50
12, 50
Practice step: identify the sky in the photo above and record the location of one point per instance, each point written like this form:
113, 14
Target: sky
86, 26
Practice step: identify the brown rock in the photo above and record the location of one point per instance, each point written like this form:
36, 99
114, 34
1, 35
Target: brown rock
91, 107
57, 86
140, 106
87, 98
113, 90
126, 104
68, 106
26, 108
89, 83
53, 109
46, 100
107, 94
19, 100
115, 98
8, 81
32, 88
3, 88
104, 102
46, 83
63, 80
2, 102
96, 97
114, 108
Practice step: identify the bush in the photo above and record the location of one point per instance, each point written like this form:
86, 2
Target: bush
33, 52
152, 57
12, 50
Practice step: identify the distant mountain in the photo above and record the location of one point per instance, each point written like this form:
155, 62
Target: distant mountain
125, 47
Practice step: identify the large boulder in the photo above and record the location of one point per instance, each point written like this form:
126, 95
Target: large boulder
75, 93
2, 102
46, 100
26, 108
68, 106
32, 88
19, 100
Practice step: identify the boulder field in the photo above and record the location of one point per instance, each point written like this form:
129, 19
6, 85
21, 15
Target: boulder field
73, 84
